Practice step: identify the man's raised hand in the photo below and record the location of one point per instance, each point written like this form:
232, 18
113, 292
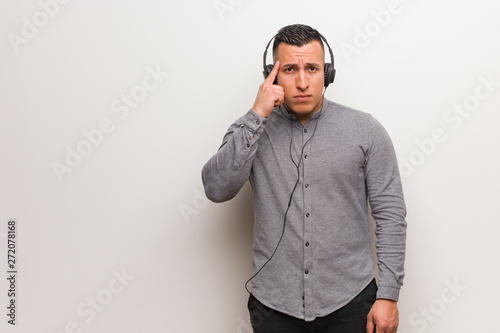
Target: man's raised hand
269, 95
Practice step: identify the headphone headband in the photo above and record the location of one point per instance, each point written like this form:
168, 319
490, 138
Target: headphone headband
329, 67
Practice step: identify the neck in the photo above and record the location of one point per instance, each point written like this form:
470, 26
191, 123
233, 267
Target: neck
304, 117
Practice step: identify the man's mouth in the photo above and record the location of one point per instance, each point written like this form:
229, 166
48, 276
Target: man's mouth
302, 97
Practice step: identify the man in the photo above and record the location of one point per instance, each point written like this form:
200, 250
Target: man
313, 166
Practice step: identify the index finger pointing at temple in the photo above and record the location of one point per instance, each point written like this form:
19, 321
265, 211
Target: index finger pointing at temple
272, 76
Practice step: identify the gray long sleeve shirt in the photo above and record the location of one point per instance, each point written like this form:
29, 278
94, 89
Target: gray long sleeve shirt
323, 260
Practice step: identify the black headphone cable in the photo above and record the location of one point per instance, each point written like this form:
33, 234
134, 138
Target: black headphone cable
291, 195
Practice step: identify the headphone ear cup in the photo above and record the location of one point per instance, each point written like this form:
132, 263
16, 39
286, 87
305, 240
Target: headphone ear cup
329, 74
267, 70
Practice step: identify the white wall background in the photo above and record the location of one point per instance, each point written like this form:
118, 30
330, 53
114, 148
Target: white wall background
132, 205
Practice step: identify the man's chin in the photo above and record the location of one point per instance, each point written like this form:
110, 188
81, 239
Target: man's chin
301, 108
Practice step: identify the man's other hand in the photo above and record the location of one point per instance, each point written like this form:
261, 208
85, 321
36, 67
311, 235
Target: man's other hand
383, 316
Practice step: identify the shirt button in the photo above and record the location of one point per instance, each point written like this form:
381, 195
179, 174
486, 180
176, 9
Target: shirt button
305, 130
307, 214
305, 156
248, 145
307, 244
307, 185
257, 122
306, 271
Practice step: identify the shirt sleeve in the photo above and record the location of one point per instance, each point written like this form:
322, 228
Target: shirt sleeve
385, 195
227, 171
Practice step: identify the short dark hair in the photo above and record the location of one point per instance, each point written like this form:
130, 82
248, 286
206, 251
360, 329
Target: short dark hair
297, 35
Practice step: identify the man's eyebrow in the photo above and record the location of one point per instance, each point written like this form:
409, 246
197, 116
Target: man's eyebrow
308, 64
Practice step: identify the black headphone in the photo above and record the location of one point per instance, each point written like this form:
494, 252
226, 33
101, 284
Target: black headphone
329, 67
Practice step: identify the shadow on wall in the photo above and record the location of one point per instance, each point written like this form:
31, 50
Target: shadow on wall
234, 237
239, 216
372, 236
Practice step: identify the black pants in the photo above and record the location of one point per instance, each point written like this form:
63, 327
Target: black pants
349, 319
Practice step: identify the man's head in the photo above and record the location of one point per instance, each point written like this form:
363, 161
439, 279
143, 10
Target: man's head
297, 35
300, 52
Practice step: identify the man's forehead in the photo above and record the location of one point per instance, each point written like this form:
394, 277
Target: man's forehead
313, 51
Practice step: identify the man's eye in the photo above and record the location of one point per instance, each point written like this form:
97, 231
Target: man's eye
313, 69
289, 69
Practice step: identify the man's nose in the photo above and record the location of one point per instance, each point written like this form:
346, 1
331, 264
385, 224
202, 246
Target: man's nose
302, 81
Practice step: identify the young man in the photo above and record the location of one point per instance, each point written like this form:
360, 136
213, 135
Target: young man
313, 166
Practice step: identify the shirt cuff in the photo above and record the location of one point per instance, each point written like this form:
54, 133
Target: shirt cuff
253, 121
387, 292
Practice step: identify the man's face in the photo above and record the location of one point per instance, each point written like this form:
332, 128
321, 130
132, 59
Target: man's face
301, 74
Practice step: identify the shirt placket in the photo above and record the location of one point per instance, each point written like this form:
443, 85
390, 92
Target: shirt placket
308, 272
